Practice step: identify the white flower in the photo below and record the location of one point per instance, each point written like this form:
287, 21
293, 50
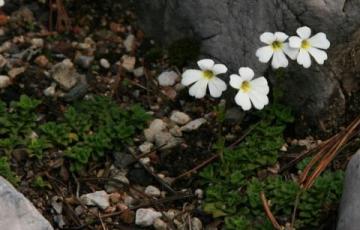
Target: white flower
309, 45
2, 3
276, 47
250, 91
204, 77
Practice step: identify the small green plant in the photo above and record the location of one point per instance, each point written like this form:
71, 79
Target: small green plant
87, 130
39, 182
6, 172
233, 188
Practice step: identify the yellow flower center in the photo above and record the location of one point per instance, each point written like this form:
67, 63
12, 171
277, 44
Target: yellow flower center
245, 86
208, 74
276, 45
305, 44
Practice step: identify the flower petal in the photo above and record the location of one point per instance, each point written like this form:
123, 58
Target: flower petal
235, 81
258, 99
267, 38
216, 87
290, 52
206, 64
319, 40
264, 54
280, 36
304, 32
279, 60
246, 73
219, 69
243, 100
260, 84
295, 42
198, 90
190, 76
304, 58
319, 55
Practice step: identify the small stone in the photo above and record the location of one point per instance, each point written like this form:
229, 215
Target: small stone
166, 141
196, 224
145, 160
155, 127
84, 61
37, 42
180, 118
199, 193
99, 198
122, 207
193, 125
41, 61
115, 197
168, 78
3, 61
152, 191
175, 131
65, 74
159, 224
129, 42
50, 91
57, 204
129, 201
145, 217
79, 210
4, 81
138, 72
171, 213
104, 63
146, 147
5, 46
128, 62
59, 220
16, 71
121, 176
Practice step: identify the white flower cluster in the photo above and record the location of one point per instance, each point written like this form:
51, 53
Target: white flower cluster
254, 92
298, 48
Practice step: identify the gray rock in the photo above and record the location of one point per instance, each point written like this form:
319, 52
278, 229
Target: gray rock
4, 81
146, 216
65, 74
98, 198
349, 213
229, 32
196, 224
122, 160
166, 140
155, 127
105, 63
17, 212
152, 191
84, 61
79, 90
193, 125
180, 118
159, 224
168, 78
146, 147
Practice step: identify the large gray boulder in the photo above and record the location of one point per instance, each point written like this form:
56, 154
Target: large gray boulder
349, 213
17, 212
229, 32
